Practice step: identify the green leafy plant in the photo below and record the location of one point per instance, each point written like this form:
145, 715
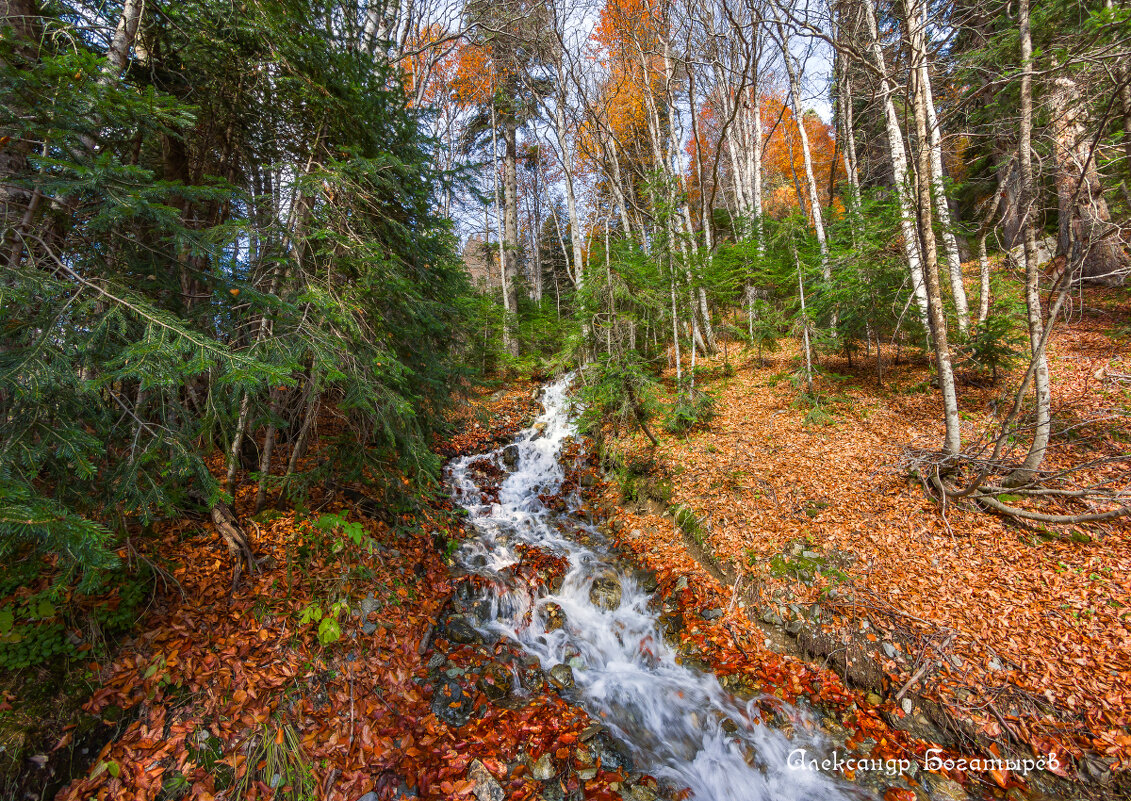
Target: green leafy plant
689, 412
329, 629
336, 522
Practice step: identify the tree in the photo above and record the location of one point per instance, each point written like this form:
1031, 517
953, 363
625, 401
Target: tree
513, 41
214, 276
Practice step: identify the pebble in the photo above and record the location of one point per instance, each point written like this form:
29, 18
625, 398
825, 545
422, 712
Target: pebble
543, 769
561, 676
486, 788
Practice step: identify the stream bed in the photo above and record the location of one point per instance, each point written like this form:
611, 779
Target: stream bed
678, 723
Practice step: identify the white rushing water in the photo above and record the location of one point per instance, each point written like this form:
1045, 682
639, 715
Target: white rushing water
671, 717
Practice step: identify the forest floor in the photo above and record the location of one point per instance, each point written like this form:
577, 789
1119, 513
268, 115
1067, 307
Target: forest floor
793, 557
807, 537
324, 675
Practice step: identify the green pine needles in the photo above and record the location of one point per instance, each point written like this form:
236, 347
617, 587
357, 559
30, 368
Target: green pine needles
229, 244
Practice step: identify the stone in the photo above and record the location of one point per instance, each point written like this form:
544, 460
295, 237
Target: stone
712, 614
451, 704
486, 788
543, 769
510, 456
646, 579
905, 705
612, 754
995, 663
794, 627
368, 628
585, 774
605, 593
553, 618
1046, 250
940, 788
539, 429
495, 682
680, 584
561, 676
458, 628
639, 792
772, 617
889, 650
437, 661
370, 796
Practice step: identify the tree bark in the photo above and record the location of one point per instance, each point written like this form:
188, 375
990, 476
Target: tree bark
23, 17
806, 158
953, 441
1087, 238
983, 259
916, 29
899, 168
510, 227
119, 52
1043, 424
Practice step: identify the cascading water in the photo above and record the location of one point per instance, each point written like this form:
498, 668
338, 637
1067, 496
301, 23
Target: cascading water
679, 723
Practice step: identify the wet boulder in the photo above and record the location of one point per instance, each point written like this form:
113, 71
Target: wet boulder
611, 753
646, 580
561, 676
496, 682
543, 769
459, 629
451, 704
553, 618
510, 456
639, 792
606, 590
486, 787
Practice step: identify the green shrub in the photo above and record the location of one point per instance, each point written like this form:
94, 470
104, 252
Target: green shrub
689, 413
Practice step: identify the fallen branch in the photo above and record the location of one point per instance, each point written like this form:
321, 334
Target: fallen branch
1025, 514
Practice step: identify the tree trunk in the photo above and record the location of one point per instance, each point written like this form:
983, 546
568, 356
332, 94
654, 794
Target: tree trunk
1043, 423
265, 455
571, 198
899, 168
806, 158
953, 442
1087, 238
119, 53
236, 540
756, 169
510, 343
23, 17
916, 30
983, 259
510, 227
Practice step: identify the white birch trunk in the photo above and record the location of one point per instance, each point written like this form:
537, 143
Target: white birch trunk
907, 221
